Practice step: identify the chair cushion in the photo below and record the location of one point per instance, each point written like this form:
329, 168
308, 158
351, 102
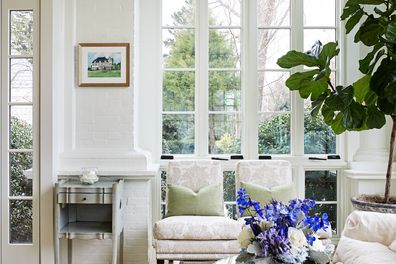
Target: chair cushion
184, 201
197, 246
197, 228
263, 194
371, 227
352, 251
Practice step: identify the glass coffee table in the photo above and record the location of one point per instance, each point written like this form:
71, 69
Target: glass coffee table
229, 260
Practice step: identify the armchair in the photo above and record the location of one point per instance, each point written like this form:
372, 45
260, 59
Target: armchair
193, 237
368, 237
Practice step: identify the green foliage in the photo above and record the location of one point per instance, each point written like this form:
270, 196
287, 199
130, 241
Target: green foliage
179, 86
228, 144
20, 211
364, 104
274, 135
342, 108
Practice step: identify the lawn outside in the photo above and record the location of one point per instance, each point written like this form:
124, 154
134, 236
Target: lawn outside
104, 74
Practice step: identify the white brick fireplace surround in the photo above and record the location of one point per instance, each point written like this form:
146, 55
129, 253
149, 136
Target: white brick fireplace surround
96, 125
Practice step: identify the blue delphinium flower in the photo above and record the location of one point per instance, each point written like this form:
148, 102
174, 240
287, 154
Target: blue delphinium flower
270, 225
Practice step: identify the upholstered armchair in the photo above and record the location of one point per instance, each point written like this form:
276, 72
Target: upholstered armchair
195, 237
266, 173
272, 174
368, 237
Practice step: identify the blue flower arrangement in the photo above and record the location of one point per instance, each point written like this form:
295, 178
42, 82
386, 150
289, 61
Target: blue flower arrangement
283, 233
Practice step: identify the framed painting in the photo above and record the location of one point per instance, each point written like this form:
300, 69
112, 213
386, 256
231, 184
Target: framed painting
103, 64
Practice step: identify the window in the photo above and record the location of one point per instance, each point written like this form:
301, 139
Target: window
203, 76
19, 122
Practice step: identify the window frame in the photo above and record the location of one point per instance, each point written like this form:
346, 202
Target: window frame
249, 72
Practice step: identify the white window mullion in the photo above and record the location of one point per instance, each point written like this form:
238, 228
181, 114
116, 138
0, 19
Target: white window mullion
201, 80
249, 80
297, 104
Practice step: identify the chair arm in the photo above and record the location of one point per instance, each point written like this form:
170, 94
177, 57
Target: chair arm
371, 227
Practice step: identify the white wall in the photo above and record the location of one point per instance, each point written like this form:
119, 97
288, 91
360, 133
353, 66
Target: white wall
98, 122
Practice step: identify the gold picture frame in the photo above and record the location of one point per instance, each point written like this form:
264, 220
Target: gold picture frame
103, 64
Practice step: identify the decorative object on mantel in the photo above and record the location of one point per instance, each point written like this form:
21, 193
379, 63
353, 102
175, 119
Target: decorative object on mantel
103, 64
364, 104
282, 233
89, 175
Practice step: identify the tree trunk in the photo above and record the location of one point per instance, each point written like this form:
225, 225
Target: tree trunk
390, 160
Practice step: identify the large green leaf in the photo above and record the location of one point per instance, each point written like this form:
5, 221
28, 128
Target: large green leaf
336, 125
385, 106
391, 32
370, 98
317, 104
348, 11
300, 79
364, 64
295, 58
353, 20
329, 51
383, 76
341, 99
354, 116
370, 31
375, 118
361, 88
390, 92
313, 89
375, 61
327, 114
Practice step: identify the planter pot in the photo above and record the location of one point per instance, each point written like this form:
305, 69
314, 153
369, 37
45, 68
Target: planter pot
370, 203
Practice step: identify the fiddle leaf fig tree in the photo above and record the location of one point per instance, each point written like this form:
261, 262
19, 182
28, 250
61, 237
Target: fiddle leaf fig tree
364, 104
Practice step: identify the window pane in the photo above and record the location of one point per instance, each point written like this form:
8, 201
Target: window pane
273, 94
21, 80
319, 13
21, 131
21, 174
178, 134
21, 223
274, 133
229, 186
224, 134
273, 13
178, 48
178, 91
163, 186
319, 138
178, 12
224, 48
224, 13
321, 185
232, 211
224, 90
272, 44
330, 209
21, 32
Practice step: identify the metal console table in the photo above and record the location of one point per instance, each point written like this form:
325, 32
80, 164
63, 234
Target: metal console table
89, 212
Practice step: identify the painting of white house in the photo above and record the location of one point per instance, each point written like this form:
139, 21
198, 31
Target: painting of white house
102, 64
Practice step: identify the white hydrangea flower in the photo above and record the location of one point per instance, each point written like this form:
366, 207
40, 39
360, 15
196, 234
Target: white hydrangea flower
297, 238
245, 237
